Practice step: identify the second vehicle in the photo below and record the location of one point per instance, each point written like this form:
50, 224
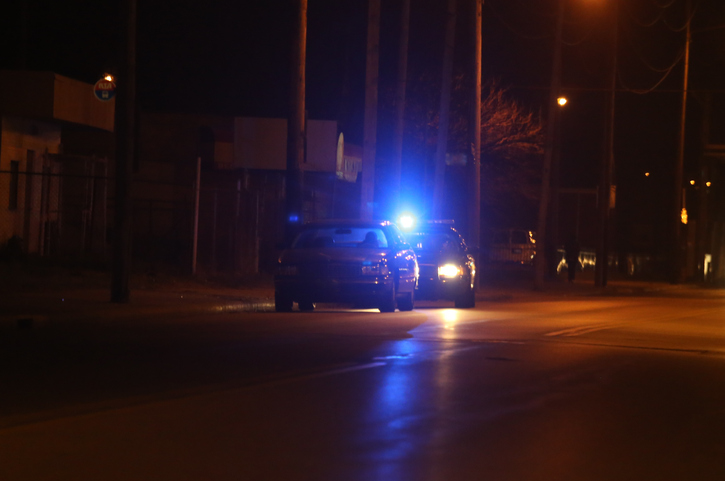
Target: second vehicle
447, 269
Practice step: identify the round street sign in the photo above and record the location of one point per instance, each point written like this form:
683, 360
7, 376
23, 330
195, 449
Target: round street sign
105, 89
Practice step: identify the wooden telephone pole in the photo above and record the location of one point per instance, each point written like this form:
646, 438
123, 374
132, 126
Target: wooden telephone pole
677, 251
370, 127
444, 112
296, 124
474, 234
400, 104
125, 148
541, 259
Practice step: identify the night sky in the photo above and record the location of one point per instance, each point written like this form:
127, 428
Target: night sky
231, 57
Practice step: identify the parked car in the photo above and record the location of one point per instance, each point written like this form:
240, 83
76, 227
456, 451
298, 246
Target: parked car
369, 264
447, 268
511, 246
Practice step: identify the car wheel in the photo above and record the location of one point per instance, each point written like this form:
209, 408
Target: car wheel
387, 303
407, 302
466, 300
282, 302
306, 305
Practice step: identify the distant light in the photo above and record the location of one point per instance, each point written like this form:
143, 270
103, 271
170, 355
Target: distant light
561, 101
683, 216
692, 182
294, 218
646, 174
108, 77
406, 221
708, 183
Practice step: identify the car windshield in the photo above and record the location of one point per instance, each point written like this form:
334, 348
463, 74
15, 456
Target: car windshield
318, 237
434, 241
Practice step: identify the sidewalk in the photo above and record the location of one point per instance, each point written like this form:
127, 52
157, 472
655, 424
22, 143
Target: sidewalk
34, 301
38, 299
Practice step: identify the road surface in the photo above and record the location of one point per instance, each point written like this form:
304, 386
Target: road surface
581, 388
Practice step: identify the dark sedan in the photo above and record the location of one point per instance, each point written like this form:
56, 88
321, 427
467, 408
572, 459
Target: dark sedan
447, 269
368, 264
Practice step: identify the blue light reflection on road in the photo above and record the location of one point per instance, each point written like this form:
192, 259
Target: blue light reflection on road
399, 412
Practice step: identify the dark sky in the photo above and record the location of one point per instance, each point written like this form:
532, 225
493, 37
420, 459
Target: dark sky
232, 57
228, 56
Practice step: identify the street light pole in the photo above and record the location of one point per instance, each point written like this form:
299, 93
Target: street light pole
125, 148
607, 172
400, 104
474, 233
296, 129
542, 254
676, 253
370, 122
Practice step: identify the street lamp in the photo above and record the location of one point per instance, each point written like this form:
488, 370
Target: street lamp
540, 260
561, 101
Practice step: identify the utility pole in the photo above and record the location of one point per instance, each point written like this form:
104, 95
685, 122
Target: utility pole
370, 126
444, 113
125, 127
677, 254
24, 48
607, 172
474, 234
296, 124
542, 254
400, 101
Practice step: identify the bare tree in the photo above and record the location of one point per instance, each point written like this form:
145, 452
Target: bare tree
512, 140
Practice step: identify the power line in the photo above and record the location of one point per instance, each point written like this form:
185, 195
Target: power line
645, 24
646, 63
687, 22
580, 41
664, 5
648, 90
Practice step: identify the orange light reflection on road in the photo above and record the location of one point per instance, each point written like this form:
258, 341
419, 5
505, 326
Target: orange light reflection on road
450, 317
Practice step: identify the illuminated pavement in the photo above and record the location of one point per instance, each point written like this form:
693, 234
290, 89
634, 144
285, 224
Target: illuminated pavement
612, 387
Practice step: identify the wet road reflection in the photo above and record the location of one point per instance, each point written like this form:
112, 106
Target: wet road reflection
560, 391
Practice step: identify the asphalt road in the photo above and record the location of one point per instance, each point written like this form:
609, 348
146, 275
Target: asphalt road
593, 388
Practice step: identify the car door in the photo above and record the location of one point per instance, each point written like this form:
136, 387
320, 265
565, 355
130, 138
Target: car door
405, 261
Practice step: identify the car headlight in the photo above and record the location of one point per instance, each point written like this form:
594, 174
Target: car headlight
287, 270
449, 270
374, 269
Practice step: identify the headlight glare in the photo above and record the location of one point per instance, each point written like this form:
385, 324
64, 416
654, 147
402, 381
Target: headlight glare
449, 270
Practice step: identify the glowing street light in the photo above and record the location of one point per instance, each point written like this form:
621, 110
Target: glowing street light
561, 101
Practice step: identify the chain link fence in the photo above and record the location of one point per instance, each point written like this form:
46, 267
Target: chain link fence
64, 210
